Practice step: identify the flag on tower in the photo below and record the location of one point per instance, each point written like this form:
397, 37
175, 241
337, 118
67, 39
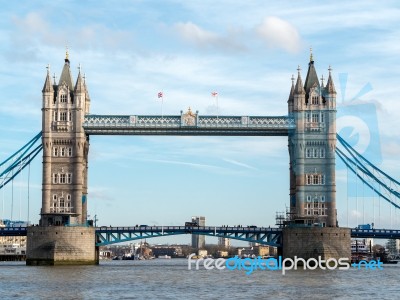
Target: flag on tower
160, 94
214, 94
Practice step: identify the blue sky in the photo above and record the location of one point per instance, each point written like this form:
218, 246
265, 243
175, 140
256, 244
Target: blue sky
245, 50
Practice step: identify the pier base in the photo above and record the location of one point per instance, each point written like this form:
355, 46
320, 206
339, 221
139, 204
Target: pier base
311, 242
60, 245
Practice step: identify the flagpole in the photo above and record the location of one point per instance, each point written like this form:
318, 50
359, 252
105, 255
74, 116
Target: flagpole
217, 109
215, 95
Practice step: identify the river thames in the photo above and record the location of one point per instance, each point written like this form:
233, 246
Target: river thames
171, 279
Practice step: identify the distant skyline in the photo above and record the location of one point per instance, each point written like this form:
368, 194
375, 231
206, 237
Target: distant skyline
246, 52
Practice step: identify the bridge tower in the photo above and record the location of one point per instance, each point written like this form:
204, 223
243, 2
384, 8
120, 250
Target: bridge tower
312, 229
65, 149
312, 150
63, 236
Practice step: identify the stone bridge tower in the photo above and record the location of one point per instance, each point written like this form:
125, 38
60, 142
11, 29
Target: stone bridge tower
312, 229
63, 236
65, 149
312, 150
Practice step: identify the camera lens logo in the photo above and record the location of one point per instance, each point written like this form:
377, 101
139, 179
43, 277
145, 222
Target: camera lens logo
357, 123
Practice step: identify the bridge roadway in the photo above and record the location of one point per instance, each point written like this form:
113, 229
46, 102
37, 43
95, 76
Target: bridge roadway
262, 235
188, 125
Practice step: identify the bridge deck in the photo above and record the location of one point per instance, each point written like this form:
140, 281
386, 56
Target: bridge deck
178, 125
262, 235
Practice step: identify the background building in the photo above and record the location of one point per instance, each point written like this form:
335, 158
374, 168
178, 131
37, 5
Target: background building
199, 241
224, 242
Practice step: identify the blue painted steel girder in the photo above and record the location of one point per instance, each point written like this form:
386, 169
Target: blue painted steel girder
261, 235
375, 233
13, 231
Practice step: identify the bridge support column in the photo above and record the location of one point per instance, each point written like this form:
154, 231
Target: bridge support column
311, 242
61, 245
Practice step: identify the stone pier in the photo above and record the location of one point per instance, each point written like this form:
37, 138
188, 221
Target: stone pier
61, 245
311, 242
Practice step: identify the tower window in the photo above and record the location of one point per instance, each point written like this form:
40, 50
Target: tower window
55, 178
62, 178
308, 151
315, 118
322, 153
62, 151
63, 98
62, 202
309, 179
322, 118
63, 116
69, 177
316, 153
315, 99
70, 151
55, 151
315, 179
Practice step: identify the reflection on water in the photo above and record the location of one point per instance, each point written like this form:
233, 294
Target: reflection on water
171, 279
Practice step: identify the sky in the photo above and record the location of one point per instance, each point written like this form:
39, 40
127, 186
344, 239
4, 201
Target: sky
247, 51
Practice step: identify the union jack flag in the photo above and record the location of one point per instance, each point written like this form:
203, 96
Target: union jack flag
160, 94
214, 94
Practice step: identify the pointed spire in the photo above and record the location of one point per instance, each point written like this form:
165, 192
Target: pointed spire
299, 84
322, 81
80, 83
330, 87
291, 95
311, 78
86, 89
48, 87
66, 73
66, 54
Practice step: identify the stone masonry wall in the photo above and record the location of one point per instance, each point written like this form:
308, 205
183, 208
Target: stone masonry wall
60, 245
311, 242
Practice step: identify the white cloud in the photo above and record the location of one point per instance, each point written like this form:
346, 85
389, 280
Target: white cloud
240, 164
278, 33
202, 38
193, 33
31, 33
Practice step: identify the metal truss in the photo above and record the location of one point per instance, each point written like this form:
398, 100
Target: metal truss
13, 231
261, 235
375, 233
181, 125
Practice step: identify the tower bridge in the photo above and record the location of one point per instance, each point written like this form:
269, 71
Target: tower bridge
310, 125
